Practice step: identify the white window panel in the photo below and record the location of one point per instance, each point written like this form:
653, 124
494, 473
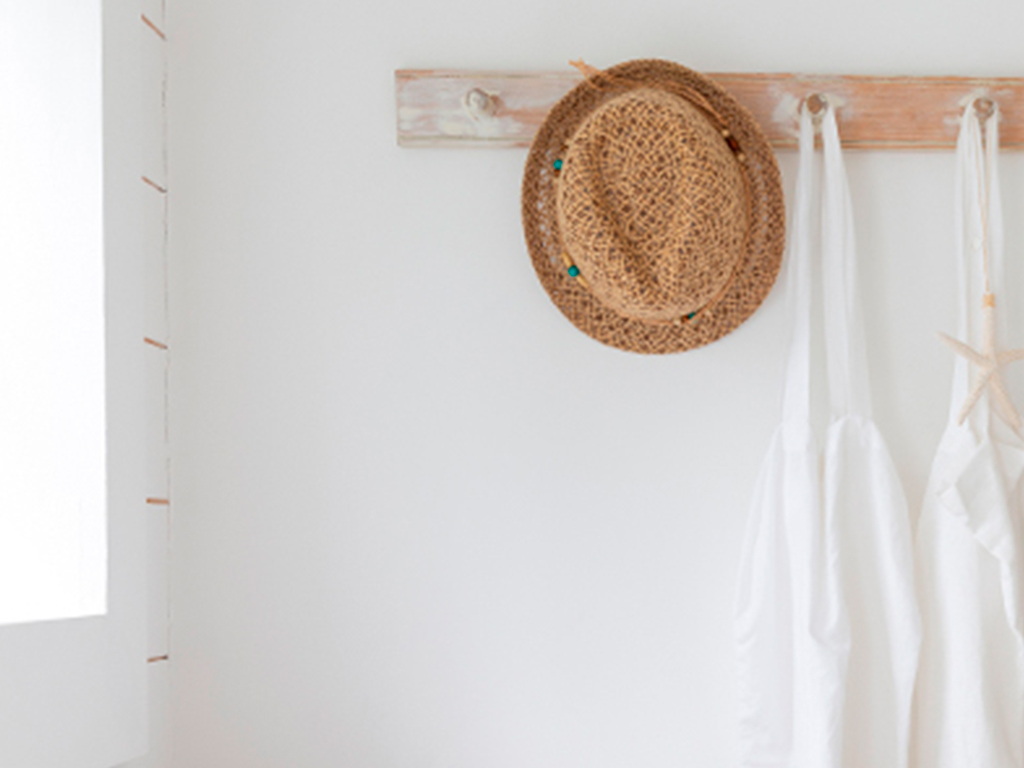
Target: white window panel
52, 409
73, 692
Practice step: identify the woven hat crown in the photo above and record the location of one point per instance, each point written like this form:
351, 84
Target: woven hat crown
651, 206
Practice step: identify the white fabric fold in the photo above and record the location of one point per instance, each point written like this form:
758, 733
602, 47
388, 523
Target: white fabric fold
827, 630
969, 703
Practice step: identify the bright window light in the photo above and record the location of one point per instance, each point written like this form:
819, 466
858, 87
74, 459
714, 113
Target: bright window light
53, 551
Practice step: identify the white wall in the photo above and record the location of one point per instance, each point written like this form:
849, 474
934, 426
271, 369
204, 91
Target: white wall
420, 520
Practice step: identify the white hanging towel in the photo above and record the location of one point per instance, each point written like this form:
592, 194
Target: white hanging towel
969, 704
827, 628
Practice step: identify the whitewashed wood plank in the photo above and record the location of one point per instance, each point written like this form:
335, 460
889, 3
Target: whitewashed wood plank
435, 107
449, 108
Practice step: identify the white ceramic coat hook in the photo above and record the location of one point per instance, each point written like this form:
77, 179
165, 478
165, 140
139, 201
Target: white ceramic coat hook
984, 106
816, 104
480, 104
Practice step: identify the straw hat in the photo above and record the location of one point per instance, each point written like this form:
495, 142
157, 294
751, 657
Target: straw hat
653, 208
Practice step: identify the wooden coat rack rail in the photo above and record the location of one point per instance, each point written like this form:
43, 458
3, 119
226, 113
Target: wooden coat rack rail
451, 108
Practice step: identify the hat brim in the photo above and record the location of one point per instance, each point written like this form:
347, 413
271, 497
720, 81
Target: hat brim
765, 242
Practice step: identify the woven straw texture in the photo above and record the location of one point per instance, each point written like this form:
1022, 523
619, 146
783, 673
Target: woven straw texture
678, 238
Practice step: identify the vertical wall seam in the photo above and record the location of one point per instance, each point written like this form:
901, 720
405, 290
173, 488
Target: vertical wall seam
161, 503
164, 140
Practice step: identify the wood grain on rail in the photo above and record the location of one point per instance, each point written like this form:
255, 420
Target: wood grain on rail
455, 108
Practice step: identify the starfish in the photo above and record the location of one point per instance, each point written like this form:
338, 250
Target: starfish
989, 362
